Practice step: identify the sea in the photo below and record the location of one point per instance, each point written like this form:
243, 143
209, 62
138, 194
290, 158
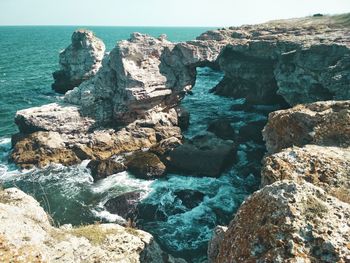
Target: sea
29, 55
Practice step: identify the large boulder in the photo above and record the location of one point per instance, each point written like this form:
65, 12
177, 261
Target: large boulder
101, 169
31, 237
326, 167
288, 222
204, 155
145, 165
321, 123
79, 61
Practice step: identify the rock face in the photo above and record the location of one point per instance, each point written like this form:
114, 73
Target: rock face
31, 238
302, 212
78, 62
326, 167
296, 61
321, 123
287, 222
204, 155
214, 243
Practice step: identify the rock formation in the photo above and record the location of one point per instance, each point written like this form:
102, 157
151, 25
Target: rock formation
64, 136
288, 222
326, 167
144, 76
79, 61
302, 211
321, 123
31, 237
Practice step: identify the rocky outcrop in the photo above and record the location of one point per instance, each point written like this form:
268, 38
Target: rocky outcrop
288, 222
296, 61
320, 123
325, 167
79, 61
31, 237
204, 155
302, 211
67, 137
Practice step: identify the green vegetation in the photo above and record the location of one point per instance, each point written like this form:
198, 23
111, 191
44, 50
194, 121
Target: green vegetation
334, 21
342, 20
94, 233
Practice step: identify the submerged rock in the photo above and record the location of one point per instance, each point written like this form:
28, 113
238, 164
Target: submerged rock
79, 61
321, 123
204, 155
189, 198
252, 131
31, 238
288, 222
145, 165
124, 205
222, 128
100, 169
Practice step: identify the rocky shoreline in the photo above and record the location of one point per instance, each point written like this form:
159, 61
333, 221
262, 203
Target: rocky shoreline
122, 111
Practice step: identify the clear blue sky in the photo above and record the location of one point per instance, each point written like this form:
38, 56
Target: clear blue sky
160, 12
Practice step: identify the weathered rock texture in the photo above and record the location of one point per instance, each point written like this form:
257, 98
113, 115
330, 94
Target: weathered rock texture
321, 123
287, 222
64, 136
214, 243
79, 61
298, 61
326, 167
31, 238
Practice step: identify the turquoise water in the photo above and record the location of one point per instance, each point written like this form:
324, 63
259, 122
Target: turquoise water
28, 57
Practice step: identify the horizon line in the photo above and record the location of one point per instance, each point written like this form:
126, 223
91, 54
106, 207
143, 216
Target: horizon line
170, 26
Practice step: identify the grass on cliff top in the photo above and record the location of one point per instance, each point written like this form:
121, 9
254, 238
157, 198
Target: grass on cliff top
94, 233
342, 20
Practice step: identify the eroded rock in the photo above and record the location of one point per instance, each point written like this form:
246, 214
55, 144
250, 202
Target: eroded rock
286, 221
322, 123
326, 167
79, 61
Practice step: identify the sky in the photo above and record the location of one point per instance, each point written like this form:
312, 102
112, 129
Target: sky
161, 12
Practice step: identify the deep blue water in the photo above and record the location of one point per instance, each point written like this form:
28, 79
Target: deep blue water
28, 56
